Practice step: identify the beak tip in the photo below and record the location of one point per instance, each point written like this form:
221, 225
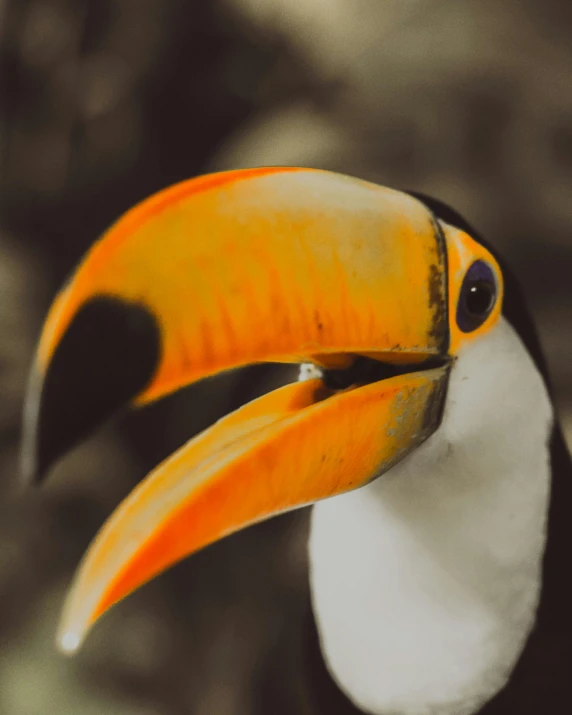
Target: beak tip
68, 643
33, 466
29, 476
107, 356
30, 472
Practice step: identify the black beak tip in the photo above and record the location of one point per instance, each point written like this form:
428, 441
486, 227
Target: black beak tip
30, 471
107, 356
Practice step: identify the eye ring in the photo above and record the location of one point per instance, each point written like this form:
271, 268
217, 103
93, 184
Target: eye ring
478, 296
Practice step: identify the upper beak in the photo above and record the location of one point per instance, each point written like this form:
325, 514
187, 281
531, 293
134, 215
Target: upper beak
275, 265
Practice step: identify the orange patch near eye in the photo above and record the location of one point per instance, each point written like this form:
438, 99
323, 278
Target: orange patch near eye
462, 252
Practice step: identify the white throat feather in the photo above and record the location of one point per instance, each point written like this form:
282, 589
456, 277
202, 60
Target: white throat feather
425, 583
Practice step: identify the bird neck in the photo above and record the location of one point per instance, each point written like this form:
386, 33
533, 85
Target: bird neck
426, 583
542, 679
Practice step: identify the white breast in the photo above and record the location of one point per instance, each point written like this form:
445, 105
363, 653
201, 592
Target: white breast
425, 583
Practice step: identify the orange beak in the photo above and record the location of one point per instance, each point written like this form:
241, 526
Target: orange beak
291, 265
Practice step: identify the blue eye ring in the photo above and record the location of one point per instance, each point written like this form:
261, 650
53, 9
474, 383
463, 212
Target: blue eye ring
477, 298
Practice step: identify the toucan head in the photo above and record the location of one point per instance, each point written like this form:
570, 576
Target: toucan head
265, 265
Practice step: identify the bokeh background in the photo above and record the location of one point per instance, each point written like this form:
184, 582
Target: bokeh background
103, 102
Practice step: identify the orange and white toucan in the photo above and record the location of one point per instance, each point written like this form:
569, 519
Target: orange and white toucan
422, 428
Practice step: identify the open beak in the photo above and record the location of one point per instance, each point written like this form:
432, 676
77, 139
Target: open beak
278, 265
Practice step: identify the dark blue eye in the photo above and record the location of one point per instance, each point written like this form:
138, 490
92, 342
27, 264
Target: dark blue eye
477, 298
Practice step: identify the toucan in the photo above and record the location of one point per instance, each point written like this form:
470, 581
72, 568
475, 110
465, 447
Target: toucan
422, 430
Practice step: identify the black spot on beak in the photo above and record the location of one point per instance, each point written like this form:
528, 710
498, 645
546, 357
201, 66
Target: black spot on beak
107, 356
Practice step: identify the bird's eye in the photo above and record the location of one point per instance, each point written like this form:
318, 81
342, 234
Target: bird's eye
477, 298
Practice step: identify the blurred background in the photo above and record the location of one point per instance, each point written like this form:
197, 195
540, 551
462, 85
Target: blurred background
103, 102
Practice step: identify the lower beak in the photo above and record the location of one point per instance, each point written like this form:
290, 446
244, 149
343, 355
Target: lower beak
302, 266
292, 447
